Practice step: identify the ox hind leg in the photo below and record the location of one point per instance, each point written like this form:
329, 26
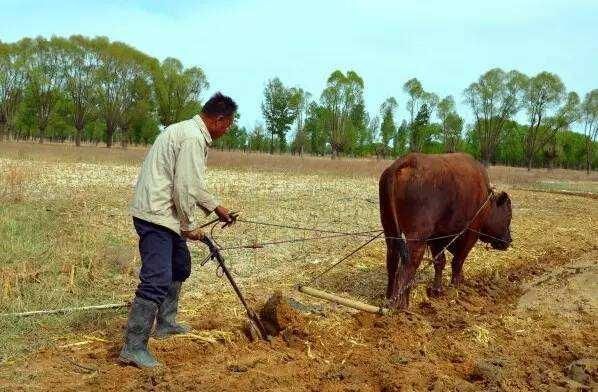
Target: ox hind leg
406, 273
392, 265
436, 290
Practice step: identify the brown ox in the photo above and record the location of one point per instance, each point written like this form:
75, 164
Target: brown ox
423, 197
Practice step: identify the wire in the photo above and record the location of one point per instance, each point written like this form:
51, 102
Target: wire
318, 276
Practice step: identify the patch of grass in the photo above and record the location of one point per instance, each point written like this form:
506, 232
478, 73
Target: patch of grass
12, 185
52, 256
569, 186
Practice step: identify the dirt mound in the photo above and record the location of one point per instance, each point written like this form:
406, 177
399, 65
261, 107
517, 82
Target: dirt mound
278, 315
584, 372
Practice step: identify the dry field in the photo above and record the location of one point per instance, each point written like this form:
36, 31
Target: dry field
524, 320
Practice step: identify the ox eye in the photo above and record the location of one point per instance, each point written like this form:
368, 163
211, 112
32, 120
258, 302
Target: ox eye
502, 199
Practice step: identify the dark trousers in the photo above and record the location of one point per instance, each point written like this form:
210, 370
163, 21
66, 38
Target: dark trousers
164, 258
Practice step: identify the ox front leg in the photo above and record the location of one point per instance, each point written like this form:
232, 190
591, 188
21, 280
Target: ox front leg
462, 249
406, 273
436, 290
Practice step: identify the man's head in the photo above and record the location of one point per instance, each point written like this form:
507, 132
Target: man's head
218, 114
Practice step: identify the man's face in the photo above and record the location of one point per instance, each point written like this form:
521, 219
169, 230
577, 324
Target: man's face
218, 126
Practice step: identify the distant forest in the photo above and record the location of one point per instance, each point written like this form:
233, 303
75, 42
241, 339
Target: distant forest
92, 90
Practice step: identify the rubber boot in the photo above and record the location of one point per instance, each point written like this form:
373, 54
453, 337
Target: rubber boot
166, 324
139, 326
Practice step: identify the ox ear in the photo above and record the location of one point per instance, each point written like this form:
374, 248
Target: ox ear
502, 199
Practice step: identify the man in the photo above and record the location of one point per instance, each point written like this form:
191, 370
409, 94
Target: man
169, 187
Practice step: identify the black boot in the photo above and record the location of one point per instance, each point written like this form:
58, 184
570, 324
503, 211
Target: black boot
166, 318
139, 326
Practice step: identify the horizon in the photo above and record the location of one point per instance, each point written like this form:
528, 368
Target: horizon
385, 43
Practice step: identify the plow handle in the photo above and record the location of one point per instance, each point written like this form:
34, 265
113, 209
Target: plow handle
251, 315
220, 260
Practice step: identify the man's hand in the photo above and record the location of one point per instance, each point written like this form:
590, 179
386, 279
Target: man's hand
225, 216
194, 235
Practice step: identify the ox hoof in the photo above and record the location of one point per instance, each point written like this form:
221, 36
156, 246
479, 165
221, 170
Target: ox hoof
400, 302
435, 292
456, 281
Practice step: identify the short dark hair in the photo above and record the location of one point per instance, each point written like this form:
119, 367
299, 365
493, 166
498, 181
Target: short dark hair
219, 105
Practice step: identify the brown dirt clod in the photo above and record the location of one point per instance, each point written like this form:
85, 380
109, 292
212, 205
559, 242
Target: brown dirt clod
277, 315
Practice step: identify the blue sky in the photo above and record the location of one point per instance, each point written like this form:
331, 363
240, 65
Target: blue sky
241, 44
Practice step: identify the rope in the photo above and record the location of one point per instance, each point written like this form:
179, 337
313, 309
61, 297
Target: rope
318, 276
313, 229
300, 239
65, 310
487, 235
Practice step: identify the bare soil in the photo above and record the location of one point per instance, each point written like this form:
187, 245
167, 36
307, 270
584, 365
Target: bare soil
534, 329
524, 319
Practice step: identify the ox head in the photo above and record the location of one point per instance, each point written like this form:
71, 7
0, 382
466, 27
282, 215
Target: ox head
496, 229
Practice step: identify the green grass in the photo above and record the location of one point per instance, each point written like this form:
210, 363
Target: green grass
51, 258
569, 186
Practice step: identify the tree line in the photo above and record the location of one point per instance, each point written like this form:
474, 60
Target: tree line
338, 124
93, 90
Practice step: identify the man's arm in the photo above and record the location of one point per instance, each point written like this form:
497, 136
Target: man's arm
189, 185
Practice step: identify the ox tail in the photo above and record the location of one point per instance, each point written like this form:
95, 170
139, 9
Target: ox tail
395, 239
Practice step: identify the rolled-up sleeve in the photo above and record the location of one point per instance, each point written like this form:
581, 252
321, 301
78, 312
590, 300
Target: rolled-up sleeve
189, 184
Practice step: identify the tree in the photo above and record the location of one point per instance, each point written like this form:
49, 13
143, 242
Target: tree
45, 79
542, 93
418, 134
589, 116
341, 100
573, 148
388, 128
300, 142
300, 101
420, 104
316, 128
400, 139
494, 99
258, 141
120, 67
452, 124
280, 110
12, 84
357, 134
418, 97
414, 89
177, 90
79, 68
136, 108
365, 132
